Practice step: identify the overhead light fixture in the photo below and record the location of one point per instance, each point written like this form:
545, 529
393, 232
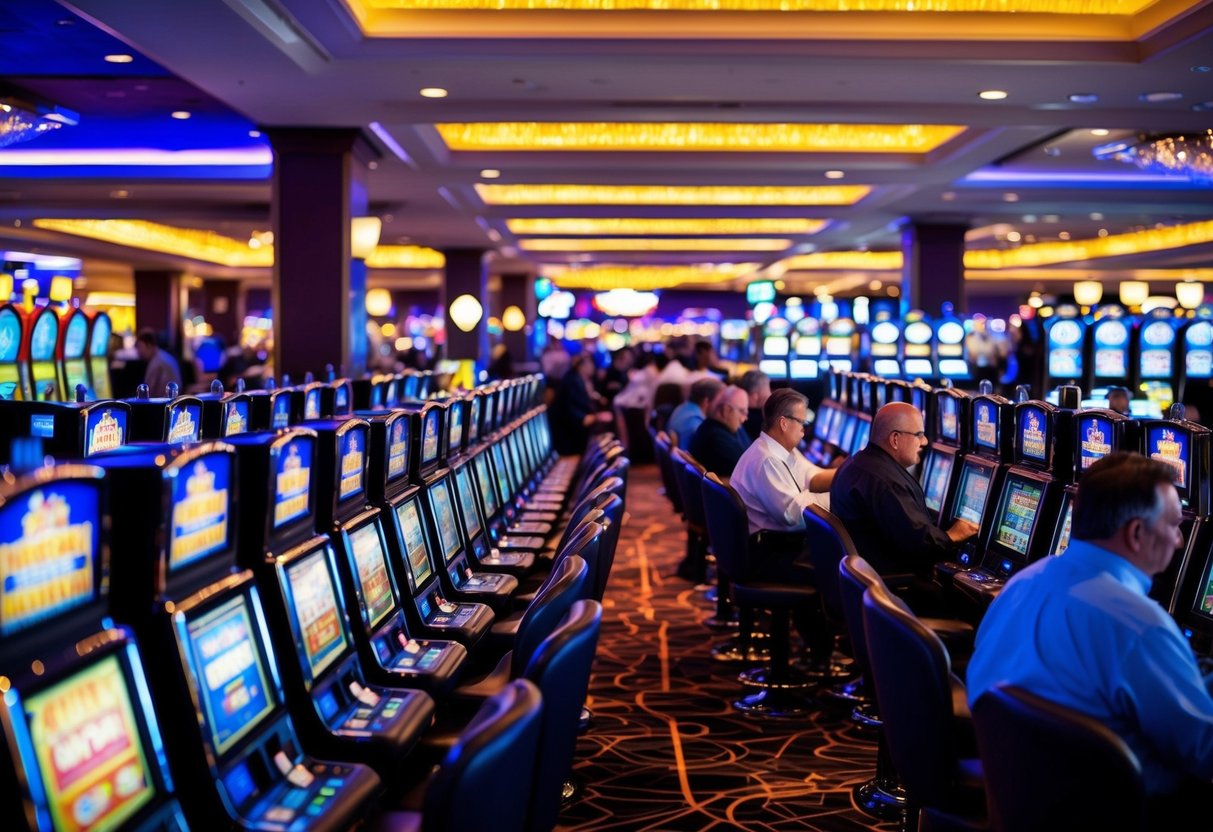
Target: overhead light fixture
119, 59
680, 226
1113, 245
1088, 292
992, 95
364, 236
191, 243
465, 312
867, 7
740, 195
654, 244
1186, 154
513, 319
849, 260
432, 92
1134, 292
21, 122
1159, 97
378, 302
1083, 98
1100, 131
835, 174
490, 173
645, 278
181, 115
405, 257
1190, 294
625, 303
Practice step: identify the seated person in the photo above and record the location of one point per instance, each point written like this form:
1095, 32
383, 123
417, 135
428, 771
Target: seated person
719, 441
1118, 400
691, 413
757, 387
1082, 631
882, 505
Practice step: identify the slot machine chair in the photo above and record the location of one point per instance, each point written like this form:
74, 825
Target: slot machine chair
828, 544
688, 476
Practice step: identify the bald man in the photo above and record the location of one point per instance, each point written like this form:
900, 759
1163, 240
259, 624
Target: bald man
882, 505
720, 441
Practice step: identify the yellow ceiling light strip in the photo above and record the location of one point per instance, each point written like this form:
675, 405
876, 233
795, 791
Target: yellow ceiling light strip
653, 244
867, 260
722, 195
191, 243
645, 278
1088, 7
1071, 251
696, 136
405, 257
682, 226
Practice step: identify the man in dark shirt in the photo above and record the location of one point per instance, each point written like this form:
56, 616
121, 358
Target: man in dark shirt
719, 441
757, 387
882, 505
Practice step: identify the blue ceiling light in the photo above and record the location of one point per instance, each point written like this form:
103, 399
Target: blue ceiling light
20, 122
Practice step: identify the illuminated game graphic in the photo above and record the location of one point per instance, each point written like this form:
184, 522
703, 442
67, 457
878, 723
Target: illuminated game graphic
99, 355
183, 425
949, 427
1111, 349
937, 481
311, 404
352, 458
42, 357
89, 750
444, 516
104, 430
1018, 515
474, 421
237, 418
1096, 441
397, 451
282, 412
1033, 441
1062, 541
1170, 446
1198, 358
1157, 340
372, 572
429, 437
413, 535
1206, 601
455, 431
1065, 350
48, 547
985, 425
315, 611
467, 498
199, 524
10, 345
504, 487
974, 484
292, 481
487, 493
75, 365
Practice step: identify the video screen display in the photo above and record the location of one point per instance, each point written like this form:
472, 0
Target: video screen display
199, 517
488, 493
366, 545
774, 367
398, 450
45, 337
938, 475
474, 420
90, 753
412, 534
231, 671
281, 417
75, 371
315, 612
1061, 538
49, 544
183, 423
104, 430
776, 345
971, 492
951, 367
985, 425
235, 420
1204, 598
804, 368
1198, 358
1034, 433
429, 437
1095, 440
454, 415
863, 430
918, 367
1017, 514
341, 400
444, 517
1172, 446
353, 463
10, 381
949, 419
311, 404
293, 480
467, 501
886, 367
504, 488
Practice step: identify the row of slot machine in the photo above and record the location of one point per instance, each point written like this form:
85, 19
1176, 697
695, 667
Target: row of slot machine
253, 631
1012, 468
1156, 356
47, 352
803, 348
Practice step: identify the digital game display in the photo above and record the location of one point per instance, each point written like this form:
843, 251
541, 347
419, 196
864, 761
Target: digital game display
971, 493
49, 545
488, 493
45, 382
281, 416
341, 400
1034, 438
398, 450
10, 346
938, 475
1172, 446
985, 425
293, 480
90, 753
311, 404
918, 367
353, 463
1065, 349
44, 337
444, 518
315, 611
98, 351
455, 429
467, 500
1157, 349
75, 373
199, 517
474, 421
367, 548
412, 534
429, 437
887, 367
183, 422
1061, 538
1111, 350
776, 345
1095, 440
235, 420
949, 419
504, 487
1198, 353
1017, 514
104, 430
231, 672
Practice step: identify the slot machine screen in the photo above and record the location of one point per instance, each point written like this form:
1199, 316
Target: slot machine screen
1034, 433
454, 414
949, 419
410, 387
104, 429
938, 475
46, 384
1017, 512
1111, 350
971, 492
504, 487
821, 425
985, 425
235, 420
398, 450
802, 368
281, 417
1203, 603
775, 345
474, 420
412, 534
293, 480
1198, 353
311, 404
1157, 350
774, 367
315, 614
1095, 439
1172, 445
467, 500
834, 436
353, 463
847, 437
1065, 349
444, 518
231, 671
75, 371
183, 423
199, 516
429, 436
1061, 537
863, 430
887, 367
341, 399
513, 445
91, 756
918, 367
49, 545
488, 493
10, 345
366, 545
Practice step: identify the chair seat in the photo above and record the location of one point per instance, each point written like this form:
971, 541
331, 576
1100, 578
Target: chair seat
768, 594
488, 685
396, 822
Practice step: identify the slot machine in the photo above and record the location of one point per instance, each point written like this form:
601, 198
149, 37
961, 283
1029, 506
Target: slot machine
81, 746
100, 328
225, 414
1185, 446
1198, 355
805, 362
426, 384
839, 344
1156, 337
475, 417
286, 541
71, 357
231, 742
734, 340
307, 401
949, 340
67, 430
173, 419
456, 424
270, 409
917, 336
885, 348
947, 435
427, 456
1110, 340
410, 386
14, 373
377, 393
38, 353
1064, 358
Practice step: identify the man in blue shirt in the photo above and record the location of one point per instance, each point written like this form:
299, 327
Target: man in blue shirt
1079, 629
689, 415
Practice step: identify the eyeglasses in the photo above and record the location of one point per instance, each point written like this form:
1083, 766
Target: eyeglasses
917, 434
804, 423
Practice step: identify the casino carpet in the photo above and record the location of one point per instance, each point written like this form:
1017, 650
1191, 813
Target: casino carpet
666, 751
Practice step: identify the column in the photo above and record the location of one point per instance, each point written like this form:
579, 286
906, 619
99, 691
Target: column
466, 274
158, 304
518, 290
222, 309
933, 266
318, 303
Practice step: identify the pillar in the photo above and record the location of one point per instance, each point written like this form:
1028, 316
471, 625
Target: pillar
933, 270
466, 274
518, 290
318, 296
158, 304
222, 309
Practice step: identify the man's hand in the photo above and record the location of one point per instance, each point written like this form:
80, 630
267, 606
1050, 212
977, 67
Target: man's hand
962, 530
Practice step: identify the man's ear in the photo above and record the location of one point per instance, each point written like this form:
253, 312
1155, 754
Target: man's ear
1132, 533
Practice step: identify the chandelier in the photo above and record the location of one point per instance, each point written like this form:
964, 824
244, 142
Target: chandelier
20, 123
1189, 154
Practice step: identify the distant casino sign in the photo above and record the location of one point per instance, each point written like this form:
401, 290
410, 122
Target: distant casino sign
351, 464
200, 510
397, 449
987, 430
1094, 444
1033, 438
106, 432
292, 481
184, 426
1166, 447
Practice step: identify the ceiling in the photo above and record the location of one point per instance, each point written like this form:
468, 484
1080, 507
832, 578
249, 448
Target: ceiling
1020, 172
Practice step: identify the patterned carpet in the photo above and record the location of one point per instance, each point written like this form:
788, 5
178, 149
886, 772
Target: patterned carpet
666, 751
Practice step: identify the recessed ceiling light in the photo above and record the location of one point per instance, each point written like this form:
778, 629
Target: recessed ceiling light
1083, 97
1099, 131
992, 95
1202, 68
181, 115
1013, 236
254, 134
119, 59
1159, 97
1096, 216
372, 165
432, 92
1202, 107
1052, 218
1008, 197
1063, 235
120, 194
490, 173
834, 174
948, 196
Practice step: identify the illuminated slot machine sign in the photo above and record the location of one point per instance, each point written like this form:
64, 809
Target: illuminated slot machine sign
431, 440
1172, 444
1198, 350
13, 382
343, 402
398, 450
805, 361
863, 431
43, 338
917, 336
292, 470
776, 346
311, 403
950, 349
200, 522
98, 355
315, 614
454, 418
1034, 435
1097, 437
236, 416
1156, 360
280, 410
1063, 344
410, 386
105, 427
838, 344
73, 351
1110, 350
351, 463
986, 435
183, 420
948, 417
886, 345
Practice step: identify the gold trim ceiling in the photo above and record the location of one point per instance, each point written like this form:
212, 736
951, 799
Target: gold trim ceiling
594, 226
645, 278
719, 195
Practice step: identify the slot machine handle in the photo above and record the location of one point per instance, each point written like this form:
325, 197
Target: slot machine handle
171, 390
309, 377
239, 385
985, 387
1177, 412
81, 394
143, 393
216, 388
1022, 392
330, 375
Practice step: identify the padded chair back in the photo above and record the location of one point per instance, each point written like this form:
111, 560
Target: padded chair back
689, 474
486, 780
728, 528
828, 543
565, 585
587, 542
855, 575
1049, 767
561, 669
666, 466
912, 681
613, 523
